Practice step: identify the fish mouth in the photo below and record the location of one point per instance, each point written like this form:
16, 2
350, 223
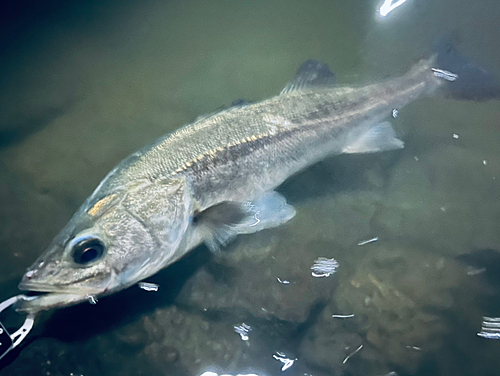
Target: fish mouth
81, 286
47, 301
43, 297
27, 285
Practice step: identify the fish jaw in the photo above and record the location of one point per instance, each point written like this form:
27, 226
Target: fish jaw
57, 296
33, 286
35, 304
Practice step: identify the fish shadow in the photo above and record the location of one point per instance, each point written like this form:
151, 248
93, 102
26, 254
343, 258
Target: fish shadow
24, 127
342, 173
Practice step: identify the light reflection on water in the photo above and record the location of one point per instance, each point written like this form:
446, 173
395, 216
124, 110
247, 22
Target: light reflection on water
209, 373
389, 5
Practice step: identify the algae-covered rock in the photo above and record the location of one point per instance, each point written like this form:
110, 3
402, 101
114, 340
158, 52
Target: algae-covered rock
268, 274
334, 346
399, 296
50, 357
328, 344
179, 338
401, 304
273, 280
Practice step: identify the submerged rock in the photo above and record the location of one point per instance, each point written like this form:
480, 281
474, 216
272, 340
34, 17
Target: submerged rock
276, 285
405, 305
399, 296
328, 344
268, 274
189, 341
50, 357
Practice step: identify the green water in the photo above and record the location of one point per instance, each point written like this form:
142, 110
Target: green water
84, 84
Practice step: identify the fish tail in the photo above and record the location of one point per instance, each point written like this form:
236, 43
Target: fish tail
463, 78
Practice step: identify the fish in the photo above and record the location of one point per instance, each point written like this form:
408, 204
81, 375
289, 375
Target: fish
216, 178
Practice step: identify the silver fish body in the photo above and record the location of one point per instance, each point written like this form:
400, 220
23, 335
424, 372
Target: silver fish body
141, 218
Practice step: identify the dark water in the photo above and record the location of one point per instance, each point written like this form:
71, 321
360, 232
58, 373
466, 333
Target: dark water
83, 84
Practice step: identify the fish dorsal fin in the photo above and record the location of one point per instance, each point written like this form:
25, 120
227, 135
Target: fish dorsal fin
311, 73
238, 103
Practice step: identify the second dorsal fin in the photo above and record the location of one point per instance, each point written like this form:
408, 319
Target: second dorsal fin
311, 73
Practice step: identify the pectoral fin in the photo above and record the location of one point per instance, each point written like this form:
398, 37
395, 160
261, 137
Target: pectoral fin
225, 221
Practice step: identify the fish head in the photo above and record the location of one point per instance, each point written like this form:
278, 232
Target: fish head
92, 255
108, 247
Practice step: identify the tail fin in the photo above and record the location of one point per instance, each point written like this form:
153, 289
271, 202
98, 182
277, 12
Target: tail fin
469, 81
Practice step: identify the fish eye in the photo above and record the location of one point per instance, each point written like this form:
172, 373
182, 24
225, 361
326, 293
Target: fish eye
87, 251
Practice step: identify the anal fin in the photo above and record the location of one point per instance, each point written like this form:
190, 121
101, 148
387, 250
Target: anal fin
377, 137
